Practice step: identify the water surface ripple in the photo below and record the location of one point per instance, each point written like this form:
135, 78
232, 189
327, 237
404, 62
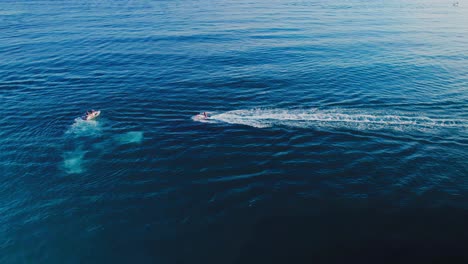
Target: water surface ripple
333, 125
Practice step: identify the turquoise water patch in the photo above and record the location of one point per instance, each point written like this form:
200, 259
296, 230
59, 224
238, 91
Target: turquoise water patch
134, 137
79, 135
73, 161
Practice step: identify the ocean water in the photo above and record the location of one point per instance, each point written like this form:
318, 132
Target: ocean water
338, 131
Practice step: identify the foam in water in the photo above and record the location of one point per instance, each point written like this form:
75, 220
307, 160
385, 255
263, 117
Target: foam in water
85, 128
73, 161
339, 118
135, 137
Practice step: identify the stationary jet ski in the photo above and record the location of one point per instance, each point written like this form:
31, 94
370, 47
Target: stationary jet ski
91, 115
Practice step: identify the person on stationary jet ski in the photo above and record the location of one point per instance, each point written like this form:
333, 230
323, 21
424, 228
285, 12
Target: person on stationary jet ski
91, 114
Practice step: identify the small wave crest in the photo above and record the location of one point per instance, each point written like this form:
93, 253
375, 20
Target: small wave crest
338, 118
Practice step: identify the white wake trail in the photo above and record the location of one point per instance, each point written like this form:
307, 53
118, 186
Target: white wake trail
338, 118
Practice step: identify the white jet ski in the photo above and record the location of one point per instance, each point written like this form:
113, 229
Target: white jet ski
201, 116
91, 115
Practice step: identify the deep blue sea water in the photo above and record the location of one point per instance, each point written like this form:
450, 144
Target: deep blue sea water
338, 131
